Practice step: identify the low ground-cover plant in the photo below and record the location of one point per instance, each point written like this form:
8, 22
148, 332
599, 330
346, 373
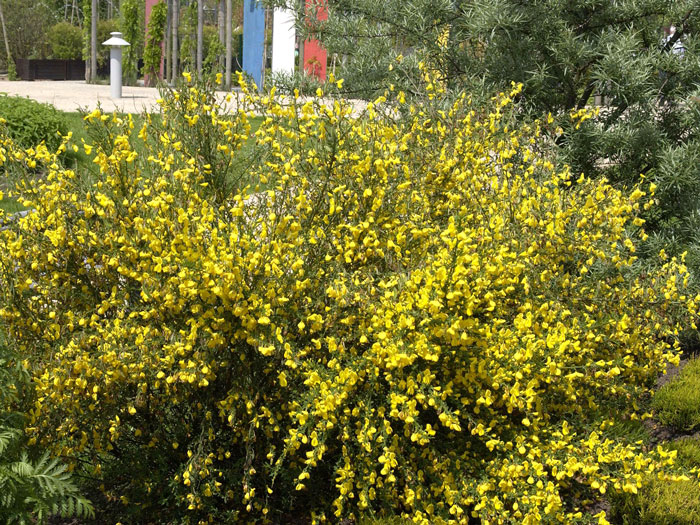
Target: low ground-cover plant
30, 123
417, 316
688, 450
665, 502
660, 502
677, 403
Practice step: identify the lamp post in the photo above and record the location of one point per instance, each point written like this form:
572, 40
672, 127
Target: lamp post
115, 63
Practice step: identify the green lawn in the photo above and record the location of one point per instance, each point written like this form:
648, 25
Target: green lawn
80, 160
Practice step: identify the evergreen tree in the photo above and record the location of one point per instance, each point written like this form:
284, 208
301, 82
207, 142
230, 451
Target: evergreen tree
568, 54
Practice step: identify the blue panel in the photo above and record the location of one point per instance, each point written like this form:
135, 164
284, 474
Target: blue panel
253, 39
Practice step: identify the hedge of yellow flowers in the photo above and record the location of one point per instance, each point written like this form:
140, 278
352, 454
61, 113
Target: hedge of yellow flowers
321, 314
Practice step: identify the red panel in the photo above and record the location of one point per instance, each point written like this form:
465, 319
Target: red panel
315, 56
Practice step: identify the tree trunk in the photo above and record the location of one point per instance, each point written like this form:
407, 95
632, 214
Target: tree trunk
168, 40
220, 17
93, 41
228, 43
174, 45
221, 22
200, 35
4, 36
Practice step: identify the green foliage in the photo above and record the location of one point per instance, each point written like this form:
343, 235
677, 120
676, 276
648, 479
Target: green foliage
153, 52
30, 123
11, 70
188, 38
632, 430
104, 30
9, 205
27, 24
213, 50
66, 41
87, 13
688, 449
564, 53
677, 403
131, 25
31, 489
661, 502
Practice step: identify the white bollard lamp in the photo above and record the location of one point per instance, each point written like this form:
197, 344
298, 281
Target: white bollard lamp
115, 63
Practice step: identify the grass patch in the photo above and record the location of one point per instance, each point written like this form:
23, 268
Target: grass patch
677, 403
659, 503
79, 160
76, 125
662, 502
9, 205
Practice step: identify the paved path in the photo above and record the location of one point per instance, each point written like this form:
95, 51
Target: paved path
73, 95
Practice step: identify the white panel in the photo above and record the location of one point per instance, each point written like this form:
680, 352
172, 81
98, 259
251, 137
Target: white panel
283, 41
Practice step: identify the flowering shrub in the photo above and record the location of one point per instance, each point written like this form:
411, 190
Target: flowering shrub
336, 315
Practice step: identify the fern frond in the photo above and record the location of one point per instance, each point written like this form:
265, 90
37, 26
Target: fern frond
8, 436
22, 468
79, 507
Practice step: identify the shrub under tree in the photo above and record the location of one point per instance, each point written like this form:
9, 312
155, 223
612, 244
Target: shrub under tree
336, 315
65, 41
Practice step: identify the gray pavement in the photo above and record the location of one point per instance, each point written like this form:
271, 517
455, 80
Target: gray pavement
73, 95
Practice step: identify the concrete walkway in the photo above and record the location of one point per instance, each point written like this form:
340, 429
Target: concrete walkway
73, 95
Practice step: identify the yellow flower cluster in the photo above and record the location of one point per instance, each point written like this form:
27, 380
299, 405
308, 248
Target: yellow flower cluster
310, 311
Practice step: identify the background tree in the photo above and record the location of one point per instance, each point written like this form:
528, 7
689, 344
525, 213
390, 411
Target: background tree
132, 28
153, 51
221, 23
93, 41
27, 24
187, 28
65, 40
167, 47
565, 53
174, 46
227, 31
11, 72
200, 35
